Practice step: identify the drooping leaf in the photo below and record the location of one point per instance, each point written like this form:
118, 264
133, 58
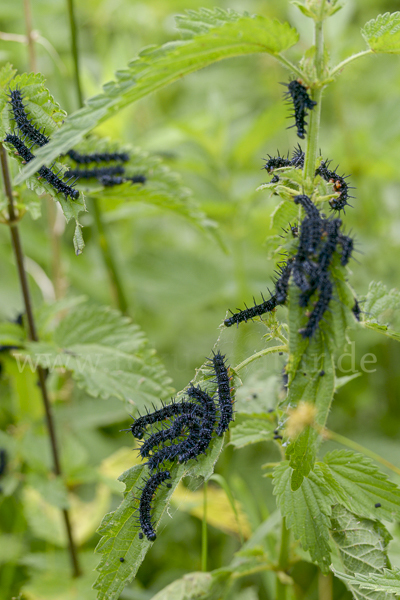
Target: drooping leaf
388, 581
307, 511
383, 33
106, 353
362, 548
120, 528
210, 36
46, 115
362, 485
252, 431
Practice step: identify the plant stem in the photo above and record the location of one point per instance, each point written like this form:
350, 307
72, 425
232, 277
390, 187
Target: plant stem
290, 65
283, 563
258, 355
341, 439
348, 60
325, 586
75, 53
204, 531
315, 114
109, 259
32, 335
29, 36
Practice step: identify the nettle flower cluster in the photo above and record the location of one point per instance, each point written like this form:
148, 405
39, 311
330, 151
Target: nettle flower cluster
320, 238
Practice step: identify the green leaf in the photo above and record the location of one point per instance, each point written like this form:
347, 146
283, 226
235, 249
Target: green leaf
388, 581
307, 511
251, 431
120, 530
106, 353
362, 548
11, 334
362, 485
45, 114
192, 585
379, 300
377, 303
285, 213
210, 36
307, 359
383, 33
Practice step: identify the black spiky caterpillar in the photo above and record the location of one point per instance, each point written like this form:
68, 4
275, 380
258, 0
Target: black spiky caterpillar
298, 94
110, 180
47, 174
97, 173
340, 185
146, 498
176, 430
223, 382
173, 409
98, 157
309, 268
22, 121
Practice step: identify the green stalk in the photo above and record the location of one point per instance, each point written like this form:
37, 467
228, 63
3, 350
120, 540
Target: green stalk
75, 52
204, 531
109, 258
283, 563
315, 114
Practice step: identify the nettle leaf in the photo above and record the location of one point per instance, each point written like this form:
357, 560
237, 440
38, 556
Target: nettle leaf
388, 581
362, 548
362, 485
210, 36
120, 529
285, 213
252, 431
379, 302
307, 359
106, 353
46, 115
307, 511
383, 33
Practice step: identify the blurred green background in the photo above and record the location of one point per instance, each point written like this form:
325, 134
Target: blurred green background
214, 128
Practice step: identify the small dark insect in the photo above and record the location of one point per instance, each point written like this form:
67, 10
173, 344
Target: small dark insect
278, 437
148, 492
121, 559
3, 461
85, 159
224, 392
356, 310
378, 505
47, 174
298, 94
322, 373
22, 121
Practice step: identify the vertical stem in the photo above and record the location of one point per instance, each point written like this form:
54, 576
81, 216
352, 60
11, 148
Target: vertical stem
315, 114
281, 589
325, 587
31, 43
32, 335
75, 53
204, 531
109, 259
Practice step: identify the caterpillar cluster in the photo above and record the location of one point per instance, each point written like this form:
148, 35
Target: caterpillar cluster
37, 138
339, 183
108, 176
187, 428
298, 95
308, 269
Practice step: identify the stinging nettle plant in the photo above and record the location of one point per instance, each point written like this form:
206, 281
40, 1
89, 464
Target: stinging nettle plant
330, 509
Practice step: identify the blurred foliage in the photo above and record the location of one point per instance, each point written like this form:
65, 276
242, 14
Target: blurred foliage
213, 128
